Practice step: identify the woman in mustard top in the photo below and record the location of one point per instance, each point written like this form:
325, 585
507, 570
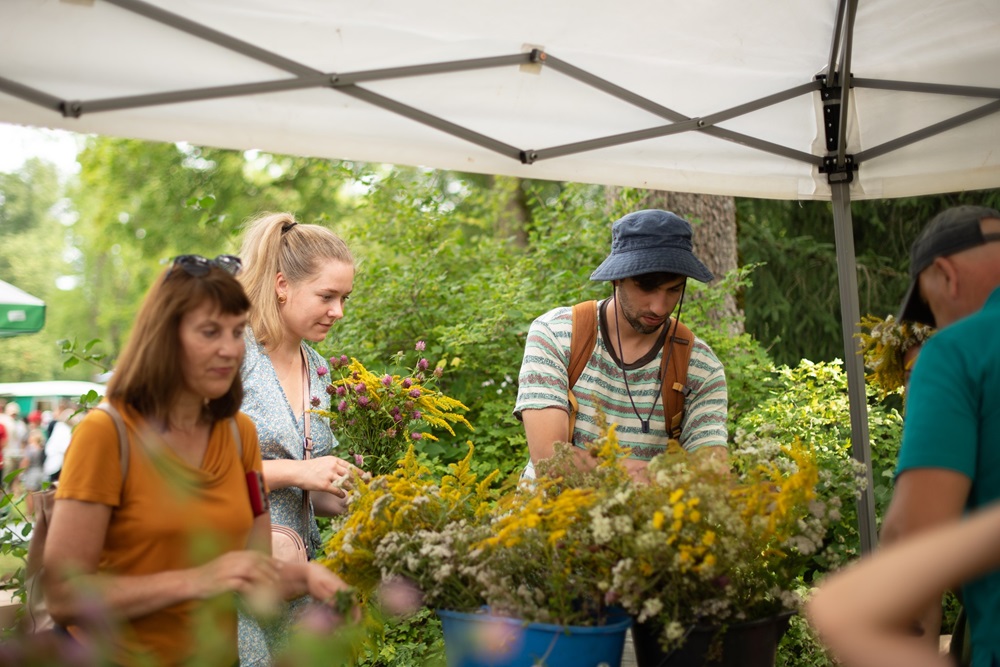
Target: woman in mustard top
163, 547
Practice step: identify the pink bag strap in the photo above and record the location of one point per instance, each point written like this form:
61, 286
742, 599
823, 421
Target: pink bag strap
307, 446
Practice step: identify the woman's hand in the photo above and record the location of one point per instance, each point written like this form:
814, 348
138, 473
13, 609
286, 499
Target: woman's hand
322, 584
328, 504
298, 579
328, 473
236, 571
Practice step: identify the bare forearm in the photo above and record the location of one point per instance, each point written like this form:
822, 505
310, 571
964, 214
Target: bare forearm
543, 428
871, 603
125, 596
924, 499
283, 473
926, 625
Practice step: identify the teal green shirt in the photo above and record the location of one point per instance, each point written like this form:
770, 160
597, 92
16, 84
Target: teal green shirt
953, 422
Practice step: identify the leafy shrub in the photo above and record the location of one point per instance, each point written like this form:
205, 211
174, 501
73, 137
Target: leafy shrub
810, 402
414, 641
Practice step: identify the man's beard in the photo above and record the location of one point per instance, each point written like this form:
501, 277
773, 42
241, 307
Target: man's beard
635, 319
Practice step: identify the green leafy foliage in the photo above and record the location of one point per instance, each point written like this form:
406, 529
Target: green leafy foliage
31, 257
74, 354
794, 306
16, 527
810, 402
413, 641
801, 648
745, 360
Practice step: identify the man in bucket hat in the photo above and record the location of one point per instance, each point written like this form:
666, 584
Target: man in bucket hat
627, 370
949, 460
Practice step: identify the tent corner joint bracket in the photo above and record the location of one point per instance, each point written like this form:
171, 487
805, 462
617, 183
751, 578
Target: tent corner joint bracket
71, 108
838, 173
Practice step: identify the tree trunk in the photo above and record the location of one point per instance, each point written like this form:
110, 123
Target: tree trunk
512, 218
713, 219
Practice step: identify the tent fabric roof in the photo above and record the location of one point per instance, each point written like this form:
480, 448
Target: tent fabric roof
20, 312
714, 97
686, 60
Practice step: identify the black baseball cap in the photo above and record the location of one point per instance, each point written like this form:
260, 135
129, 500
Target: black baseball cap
951, 231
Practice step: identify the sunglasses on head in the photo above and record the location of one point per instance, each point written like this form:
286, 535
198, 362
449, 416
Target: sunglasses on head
197, 266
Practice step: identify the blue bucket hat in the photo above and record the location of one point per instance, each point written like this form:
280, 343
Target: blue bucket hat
651, 241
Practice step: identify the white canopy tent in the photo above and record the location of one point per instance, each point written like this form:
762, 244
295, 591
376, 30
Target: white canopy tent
20, 312
715, 96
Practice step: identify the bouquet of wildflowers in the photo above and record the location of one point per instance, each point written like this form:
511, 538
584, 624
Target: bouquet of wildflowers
526, 553
708, 542
544, 559
705, 541
409, 524
377, 415
883, 347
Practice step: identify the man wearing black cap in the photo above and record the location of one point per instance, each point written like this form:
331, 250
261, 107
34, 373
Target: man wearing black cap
626, 374
949, 461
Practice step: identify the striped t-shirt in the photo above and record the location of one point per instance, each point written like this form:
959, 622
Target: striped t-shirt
544, 376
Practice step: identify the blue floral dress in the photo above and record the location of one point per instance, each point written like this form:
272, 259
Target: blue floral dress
281, 432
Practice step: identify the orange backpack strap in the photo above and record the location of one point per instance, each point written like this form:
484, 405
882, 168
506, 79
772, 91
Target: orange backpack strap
583, 339
675, 388
581, 347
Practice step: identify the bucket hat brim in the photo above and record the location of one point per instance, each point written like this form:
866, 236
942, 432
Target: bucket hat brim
651, 260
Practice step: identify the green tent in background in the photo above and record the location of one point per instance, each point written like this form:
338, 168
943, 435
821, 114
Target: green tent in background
20, 313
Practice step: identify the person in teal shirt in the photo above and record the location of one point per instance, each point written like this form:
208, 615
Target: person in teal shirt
949, 461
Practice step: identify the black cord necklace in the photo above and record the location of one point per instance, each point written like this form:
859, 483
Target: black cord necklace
621, 359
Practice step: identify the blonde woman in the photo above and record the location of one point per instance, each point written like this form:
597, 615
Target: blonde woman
298, 278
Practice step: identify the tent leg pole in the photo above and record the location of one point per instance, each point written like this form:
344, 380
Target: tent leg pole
850, 312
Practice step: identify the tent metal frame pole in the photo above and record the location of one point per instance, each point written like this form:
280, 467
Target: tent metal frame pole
929, 131
29, 94
319, 80
850, 312
680, 124
433, 121
933, 88
839, 168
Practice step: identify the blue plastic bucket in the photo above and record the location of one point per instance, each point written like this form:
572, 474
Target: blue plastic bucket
481, 640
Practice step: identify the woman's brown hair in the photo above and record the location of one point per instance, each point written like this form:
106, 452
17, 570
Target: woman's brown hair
148, 374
